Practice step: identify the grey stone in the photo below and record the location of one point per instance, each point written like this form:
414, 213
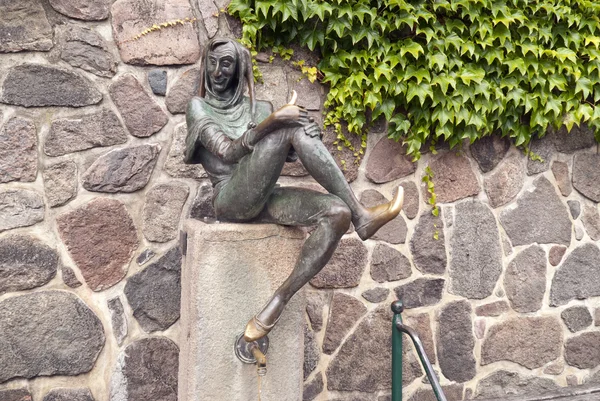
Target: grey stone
60, 182
597, 317
364, 365
122, 170
20, 208
16, 36
73, 134
312, 352
346, 266
314, 388
21, 394
69, 394
18, 151
504, 184
35, 85
394, 231
174, 165
429, 253
69, 277
294, 169
539, 216
274, 87
488, 151
210, 16
411, 199
162, 210
376, 295
583, 351
146, 370
452, 392
455, 342
157, 79
145, 256
183, 90
315, 303
387, 264
578, 277
117, 319
555, 368
572, 380
568, 142
101, 238
25, 263
525, 280
586, 175
556, 254
492, 309
574, 208
591, 221
344, 313
83, 48
309, 93
579, 232
388, 161
154, 294
453, 178
88, 10
576, 318
541, 148
534, 341
48, 333
503, 383
421, 292
476, 259
131, 17
202, 206
143, 117
560, 170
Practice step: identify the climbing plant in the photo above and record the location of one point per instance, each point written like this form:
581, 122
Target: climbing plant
444, 69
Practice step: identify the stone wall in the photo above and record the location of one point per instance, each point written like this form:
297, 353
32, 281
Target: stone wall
93, 192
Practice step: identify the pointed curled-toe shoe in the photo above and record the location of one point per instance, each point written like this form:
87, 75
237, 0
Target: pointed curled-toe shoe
377, 216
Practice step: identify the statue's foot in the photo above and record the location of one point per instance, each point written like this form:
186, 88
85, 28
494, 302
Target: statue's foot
255, 330
376, 217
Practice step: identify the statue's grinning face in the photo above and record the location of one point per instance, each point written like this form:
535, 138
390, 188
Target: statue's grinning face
221, 68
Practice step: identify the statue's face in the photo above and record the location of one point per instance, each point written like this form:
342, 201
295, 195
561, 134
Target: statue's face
221, 68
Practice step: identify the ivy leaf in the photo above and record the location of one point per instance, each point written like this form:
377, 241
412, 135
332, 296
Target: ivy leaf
422, 91
584, 112
563, 54
557, 81
409, 46
437, 59
469, 74
584, 85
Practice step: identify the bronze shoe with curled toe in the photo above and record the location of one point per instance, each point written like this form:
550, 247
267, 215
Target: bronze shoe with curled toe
376, 217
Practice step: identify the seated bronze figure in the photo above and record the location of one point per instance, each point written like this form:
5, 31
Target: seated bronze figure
243, 146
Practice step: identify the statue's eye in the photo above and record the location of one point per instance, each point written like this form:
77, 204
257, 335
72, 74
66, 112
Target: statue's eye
226, 64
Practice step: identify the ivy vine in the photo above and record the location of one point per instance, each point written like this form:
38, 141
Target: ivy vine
444, 69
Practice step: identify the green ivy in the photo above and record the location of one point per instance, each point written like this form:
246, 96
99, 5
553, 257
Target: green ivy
444, 69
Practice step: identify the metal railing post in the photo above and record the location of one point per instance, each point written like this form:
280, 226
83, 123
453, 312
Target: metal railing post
397, 308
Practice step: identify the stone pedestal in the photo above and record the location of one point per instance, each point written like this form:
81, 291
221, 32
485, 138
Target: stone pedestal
229, 272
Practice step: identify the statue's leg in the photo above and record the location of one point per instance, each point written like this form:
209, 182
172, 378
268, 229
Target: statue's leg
297, 206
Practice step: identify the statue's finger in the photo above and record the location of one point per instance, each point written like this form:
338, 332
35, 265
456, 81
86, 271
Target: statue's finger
294, 97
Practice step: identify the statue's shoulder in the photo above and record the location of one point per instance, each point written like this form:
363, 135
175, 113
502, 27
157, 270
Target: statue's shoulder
197, 105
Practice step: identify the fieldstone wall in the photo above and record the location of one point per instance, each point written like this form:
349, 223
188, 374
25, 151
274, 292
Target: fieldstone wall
503, 285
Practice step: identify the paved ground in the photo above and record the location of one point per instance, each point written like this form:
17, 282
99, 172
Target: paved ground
582, 393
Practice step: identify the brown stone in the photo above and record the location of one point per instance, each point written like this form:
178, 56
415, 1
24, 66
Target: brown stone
141, 114
453, 178
427, 244
422, 324
534, 341
73, 134
525, 280
591, 221
504, 184
452, 392
21, 394
556, 254
316, 301
344, 313
376, 295
174, 165
455, 342
20, 208
312, 352
411, 199
314, 388
89, 10
69, 394
346, 266
122, 170
597, 317
394, 231
586, 175
18, 151
555, 368
16, 36
183, 90
162, 211
83, 48
387, 264
388, 161
480, 328
131, 17
502, 383
69, 277
583, 351
101, 238
492, 309
489, 150
561, 175
60, 182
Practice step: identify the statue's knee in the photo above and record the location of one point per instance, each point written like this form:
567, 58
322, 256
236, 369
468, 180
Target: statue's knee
340, 216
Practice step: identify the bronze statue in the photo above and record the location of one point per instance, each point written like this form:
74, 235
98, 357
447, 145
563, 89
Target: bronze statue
243, 146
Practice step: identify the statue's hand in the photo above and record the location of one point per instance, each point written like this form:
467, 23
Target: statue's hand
292, 114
